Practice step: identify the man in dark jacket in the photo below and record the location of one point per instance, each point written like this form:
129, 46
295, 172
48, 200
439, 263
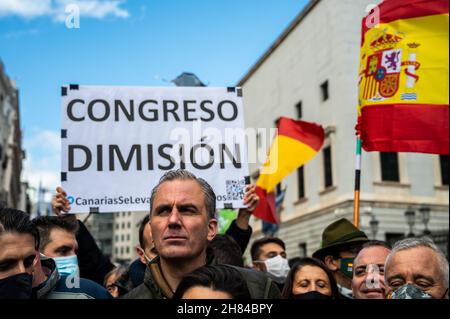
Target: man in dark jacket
182, 219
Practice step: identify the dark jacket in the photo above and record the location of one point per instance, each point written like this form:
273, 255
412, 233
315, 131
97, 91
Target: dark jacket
136, 272
56, 287
240, 236
91, 261
155, 286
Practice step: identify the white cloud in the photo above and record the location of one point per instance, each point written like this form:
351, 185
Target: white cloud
56, 9
25, 8
43, 160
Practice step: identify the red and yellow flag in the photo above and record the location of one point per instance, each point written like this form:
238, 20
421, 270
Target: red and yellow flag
295, 144
404, 79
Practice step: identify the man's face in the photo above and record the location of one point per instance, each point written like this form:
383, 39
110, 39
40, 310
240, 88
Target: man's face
268, 251
368, 273
179, 221
336, 265
62, 244
17, 254
418, 266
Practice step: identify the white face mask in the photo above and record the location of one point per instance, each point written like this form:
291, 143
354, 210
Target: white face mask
278, 267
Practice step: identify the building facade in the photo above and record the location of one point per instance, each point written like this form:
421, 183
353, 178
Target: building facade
311, 73
11, 153
101, 227
126, 236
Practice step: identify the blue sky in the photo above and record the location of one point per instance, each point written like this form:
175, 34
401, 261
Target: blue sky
129, 42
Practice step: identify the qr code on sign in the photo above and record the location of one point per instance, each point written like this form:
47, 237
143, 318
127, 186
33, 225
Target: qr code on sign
235, 189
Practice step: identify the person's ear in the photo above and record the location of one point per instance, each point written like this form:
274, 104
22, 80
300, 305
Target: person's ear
258, 265
332, 263
213, 228
141, 255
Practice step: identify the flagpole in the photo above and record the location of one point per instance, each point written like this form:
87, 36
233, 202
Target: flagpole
357, 182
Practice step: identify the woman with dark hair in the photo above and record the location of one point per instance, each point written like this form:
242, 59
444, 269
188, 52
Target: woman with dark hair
310, 278
213, 282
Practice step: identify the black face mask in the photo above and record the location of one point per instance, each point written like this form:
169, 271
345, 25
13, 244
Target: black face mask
16, 287
311, 295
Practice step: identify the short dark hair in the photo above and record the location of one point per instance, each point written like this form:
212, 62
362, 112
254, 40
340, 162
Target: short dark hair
45, 224
226, 251
292, 261
16, 221
118, 271
218, 277
142, 225
255, 250
308, 261
180, 174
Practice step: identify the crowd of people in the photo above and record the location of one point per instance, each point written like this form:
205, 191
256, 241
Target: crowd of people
181, 256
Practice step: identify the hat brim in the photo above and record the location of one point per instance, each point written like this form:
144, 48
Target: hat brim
322, 252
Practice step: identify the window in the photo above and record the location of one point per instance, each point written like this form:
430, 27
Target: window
298, 106
123, 225
128, 237
443, 159
117, 226
116, 238
324, 90
116, 251
258, 140
392, 238
327, 166
389, 167
121, 250
301, 182
128, 250
122, 237
129, 213
128, 225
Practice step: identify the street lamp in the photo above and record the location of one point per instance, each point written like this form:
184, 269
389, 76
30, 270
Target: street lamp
374, 226
410, 216
373, 223
425, 211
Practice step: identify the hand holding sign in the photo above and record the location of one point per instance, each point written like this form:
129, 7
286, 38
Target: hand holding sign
60, 203
251, 200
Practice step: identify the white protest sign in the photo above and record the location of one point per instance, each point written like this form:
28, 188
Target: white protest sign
118, 141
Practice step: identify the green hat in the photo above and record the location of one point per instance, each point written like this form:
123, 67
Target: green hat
337, 235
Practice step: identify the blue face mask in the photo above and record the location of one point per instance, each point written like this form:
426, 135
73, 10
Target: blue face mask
66, 265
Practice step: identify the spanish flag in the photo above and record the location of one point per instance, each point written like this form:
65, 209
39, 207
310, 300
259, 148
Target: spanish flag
403, 77
295, 144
